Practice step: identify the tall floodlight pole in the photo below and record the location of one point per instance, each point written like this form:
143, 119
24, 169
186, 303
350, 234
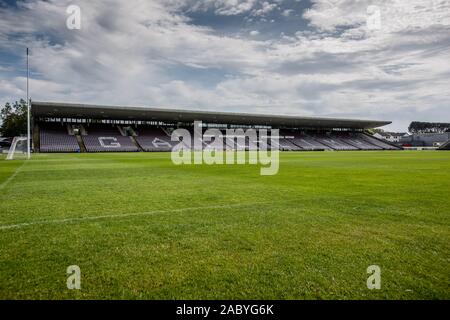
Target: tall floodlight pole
28, 115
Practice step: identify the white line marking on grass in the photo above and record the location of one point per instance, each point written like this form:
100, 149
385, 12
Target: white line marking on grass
124, 215
11, 177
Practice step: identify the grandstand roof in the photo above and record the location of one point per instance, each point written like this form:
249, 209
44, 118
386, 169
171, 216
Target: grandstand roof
87, 111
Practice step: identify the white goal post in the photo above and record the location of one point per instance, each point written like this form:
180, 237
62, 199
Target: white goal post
18, 147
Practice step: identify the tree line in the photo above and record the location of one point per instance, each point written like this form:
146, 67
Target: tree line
427, 127
13, 119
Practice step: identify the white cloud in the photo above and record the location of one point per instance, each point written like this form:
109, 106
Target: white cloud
220, 7
396, 15
266, 7
137, 53
287, 12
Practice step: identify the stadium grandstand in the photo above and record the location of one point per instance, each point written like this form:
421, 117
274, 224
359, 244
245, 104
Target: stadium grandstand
427, 139
445, 146
63, 127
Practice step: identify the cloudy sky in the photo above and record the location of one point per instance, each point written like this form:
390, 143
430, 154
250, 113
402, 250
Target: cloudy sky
296, 57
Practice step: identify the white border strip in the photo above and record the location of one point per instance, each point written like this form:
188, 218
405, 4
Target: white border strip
123, 215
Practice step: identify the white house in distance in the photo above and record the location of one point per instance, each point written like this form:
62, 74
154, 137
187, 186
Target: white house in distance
393, 137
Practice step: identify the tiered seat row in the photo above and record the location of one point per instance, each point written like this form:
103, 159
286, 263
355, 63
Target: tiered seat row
304, 142
285, 144
376, 142
334, 142
107, 138
54, 137
154, 139
360, 143
445, 146
157, 140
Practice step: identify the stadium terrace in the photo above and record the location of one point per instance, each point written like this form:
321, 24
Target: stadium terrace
208, 147
64, 127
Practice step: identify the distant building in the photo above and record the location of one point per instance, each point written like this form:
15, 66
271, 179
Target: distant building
393, 137
425, 139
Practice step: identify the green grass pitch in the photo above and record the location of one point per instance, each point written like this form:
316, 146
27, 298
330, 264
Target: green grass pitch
140, 227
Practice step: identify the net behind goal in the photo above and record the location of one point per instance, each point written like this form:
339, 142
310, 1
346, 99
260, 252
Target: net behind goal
18, 149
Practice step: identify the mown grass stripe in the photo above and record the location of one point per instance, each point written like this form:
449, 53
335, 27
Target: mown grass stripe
125, 215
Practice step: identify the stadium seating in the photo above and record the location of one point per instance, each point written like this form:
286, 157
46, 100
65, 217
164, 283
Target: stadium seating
54, 137
445, 146
240, 143
190, 144
154, 139
208, 145
290, 140
304, 141
356, 141
264, 143
376, 142
308, 143
231, 143
285, 144
107, 138
334, 142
